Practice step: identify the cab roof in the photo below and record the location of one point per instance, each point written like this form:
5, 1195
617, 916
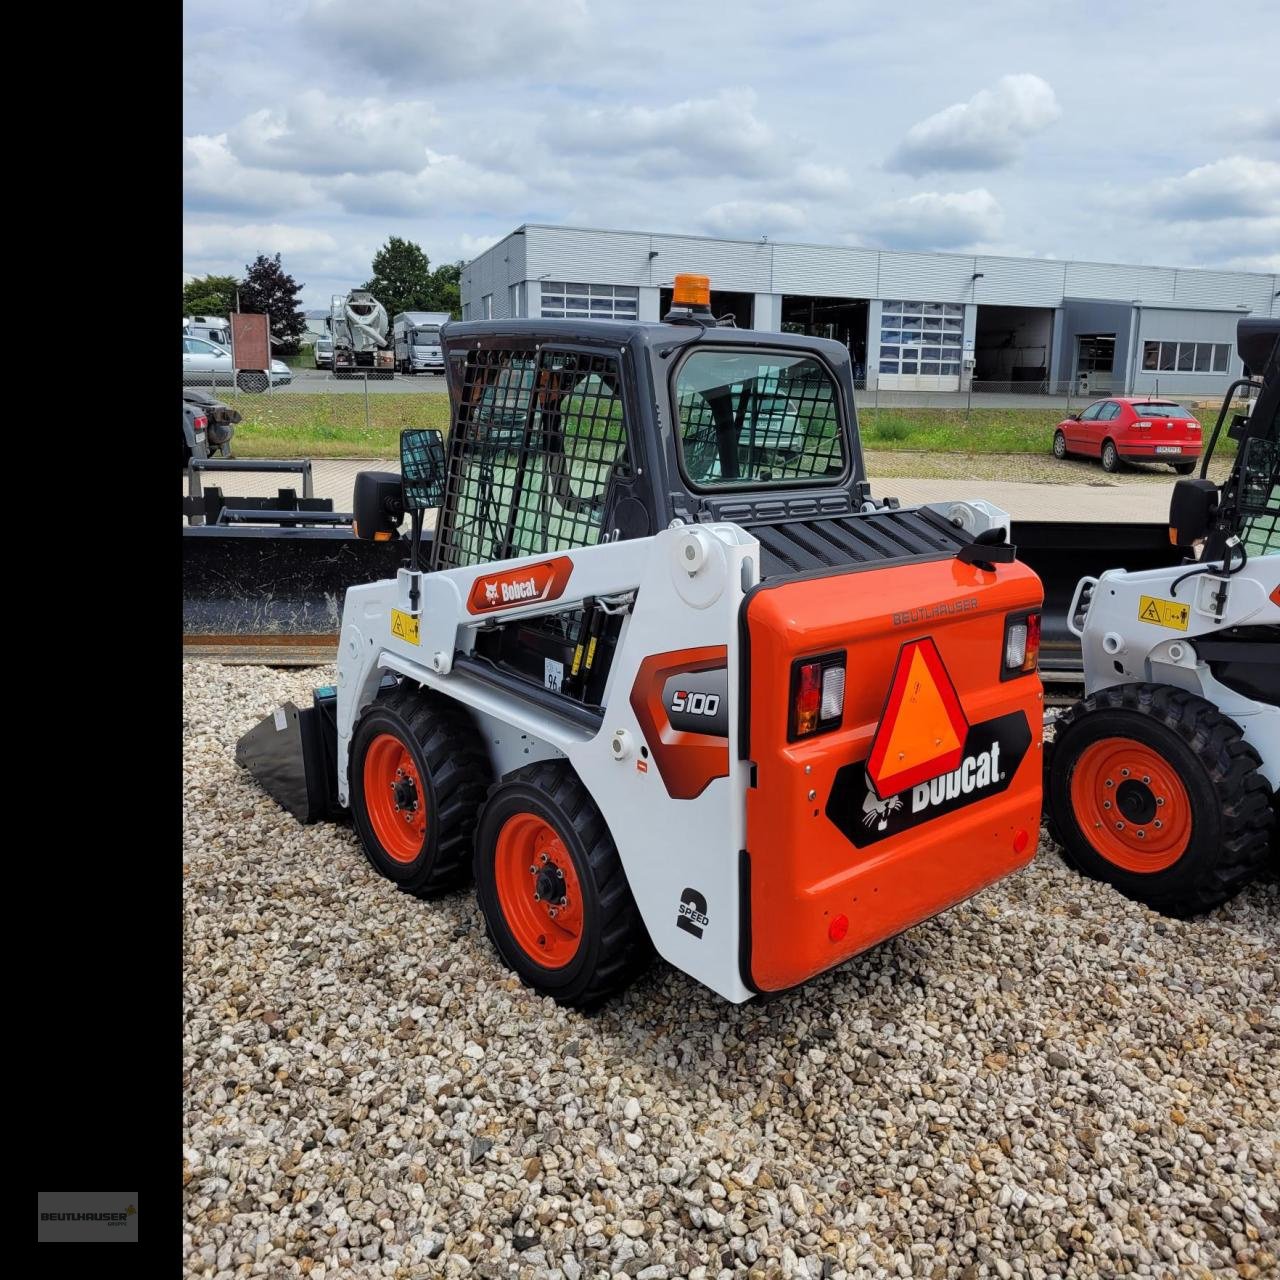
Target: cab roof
650, 334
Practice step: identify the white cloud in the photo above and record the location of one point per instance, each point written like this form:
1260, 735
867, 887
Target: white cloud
751, 219
445, 183
819, 181
1259, 122
317, 133
936, 220
987, 132
433, 41
711, 136
1234, 187
213, 179
223, 241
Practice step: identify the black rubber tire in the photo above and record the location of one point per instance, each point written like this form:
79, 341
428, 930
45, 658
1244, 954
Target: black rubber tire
450, 758
1059, 445
1231, 803
1110, 456
1183, 468
615, 946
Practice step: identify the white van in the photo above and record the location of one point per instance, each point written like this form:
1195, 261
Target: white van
215, 329
416, 335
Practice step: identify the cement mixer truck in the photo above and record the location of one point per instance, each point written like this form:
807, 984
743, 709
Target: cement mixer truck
358, 324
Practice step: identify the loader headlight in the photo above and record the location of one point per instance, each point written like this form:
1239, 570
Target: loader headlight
1021, 645
817, 695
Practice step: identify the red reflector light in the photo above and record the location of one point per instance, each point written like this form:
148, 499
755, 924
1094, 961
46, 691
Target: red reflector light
1033, 642
838, 928
817, 695
1020, 841
808, 697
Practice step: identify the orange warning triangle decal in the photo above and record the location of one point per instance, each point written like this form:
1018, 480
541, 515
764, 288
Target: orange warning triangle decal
922, 731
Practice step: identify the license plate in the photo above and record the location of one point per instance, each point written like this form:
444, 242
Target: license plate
1168, 448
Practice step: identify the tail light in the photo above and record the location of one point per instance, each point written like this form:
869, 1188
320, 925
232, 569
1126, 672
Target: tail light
200, 423
817, 695
1021, 645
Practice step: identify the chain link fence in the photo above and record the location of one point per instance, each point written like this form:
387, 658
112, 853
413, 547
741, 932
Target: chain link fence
362, 416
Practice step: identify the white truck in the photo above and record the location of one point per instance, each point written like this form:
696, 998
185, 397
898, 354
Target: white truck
358, 326
416, 336
215, 329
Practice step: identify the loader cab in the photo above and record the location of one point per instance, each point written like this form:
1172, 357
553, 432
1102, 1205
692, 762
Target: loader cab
569, 433
1247, 503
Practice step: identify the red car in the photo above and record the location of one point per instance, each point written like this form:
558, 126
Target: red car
1131, 428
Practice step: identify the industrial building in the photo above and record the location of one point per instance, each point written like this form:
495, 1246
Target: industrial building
912, 321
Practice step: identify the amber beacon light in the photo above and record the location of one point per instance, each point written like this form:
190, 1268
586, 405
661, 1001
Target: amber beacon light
691, 291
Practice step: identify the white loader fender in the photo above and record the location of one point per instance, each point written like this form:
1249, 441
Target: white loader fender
680, 852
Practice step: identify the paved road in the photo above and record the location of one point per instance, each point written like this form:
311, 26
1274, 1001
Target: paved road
1136, 497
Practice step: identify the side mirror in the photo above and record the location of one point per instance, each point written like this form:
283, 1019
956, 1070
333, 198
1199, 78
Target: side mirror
1075, 417
1259, 491
422, 468
1191, 511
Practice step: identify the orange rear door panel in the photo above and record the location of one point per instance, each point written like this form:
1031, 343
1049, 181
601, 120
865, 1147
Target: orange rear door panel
833, 867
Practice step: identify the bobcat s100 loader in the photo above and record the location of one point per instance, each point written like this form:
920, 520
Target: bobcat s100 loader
669, 677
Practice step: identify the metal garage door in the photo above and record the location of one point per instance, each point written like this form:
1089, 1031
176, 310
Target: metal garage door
920, 345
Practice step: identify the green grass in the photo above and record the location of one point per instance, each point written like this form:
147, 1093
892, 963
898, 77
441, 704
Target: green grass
295, 425
986, 430
324, 425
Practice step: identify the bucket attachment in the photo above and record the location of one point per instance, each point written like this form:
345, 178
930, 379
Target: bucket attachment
293, 755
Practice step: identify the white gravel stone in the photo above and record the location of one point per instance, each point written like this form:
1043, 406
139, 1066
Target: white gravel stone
1045, 1081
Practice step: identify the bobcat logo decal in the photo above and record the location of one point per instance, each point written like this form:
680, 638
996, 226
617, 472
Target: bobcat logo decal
491, 592
875, 813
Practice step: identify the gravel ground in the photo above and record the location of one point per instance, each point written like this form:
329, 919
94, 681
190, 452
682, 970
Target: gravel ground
1045, 1081
1031, 468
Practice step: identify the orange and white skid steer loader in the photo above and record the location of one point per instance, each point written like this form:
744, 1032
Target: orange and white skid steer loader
672, 680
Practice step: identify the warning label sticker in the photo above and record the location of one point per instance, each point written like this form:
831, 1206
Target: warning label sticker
404, 626
1164, 613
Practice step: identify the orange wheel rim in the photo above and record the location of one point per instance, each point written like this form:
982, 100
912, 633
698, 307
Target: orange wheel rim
1131, 805
394, 798
538, 890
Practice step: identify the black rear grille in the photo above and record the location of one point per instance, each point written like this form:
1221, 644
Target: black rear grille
804, 546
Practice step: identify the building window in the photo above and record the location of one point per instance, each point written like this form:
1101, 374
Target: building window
466, 311
1186, 357
1096, 353
921, 338
486, 306
563, 300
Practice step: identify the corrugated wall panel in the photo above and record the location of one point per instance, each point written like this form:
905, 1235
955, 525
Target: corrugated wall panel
588, 257
1120, 284
1018, 282
1225, 289
834, 273
742, 266
926, 277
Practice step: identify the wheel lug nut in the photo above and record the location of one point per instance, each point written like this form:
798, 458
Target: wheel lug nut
1146, 780
564, 902
545, 859
1159, 799
1110, 783
552, 912
1124, 773
1119, 826
559, 874
1142, 835
1159, 823
537, 897
533, 871
1106, 804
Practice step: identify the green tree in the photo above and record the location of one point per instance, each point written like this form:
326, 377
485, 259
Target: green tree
446, 289
402, 277
268, 289
210, 296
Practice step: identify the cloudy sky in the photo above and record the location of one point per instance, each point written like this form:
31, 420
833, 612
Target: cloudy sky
1145, 133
